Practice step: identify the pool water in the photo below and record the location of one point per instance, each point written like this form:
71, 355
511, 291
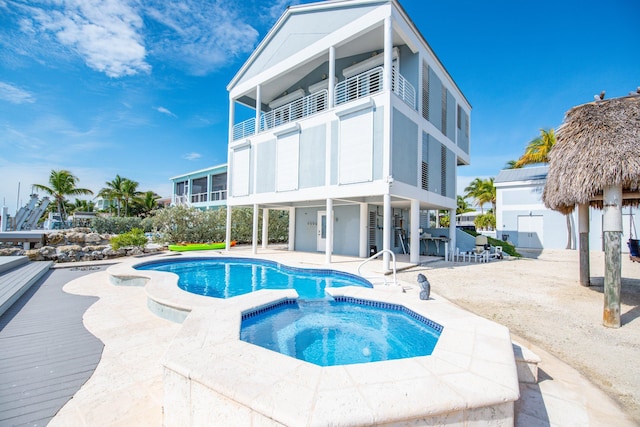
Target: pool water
329, 333
223, 277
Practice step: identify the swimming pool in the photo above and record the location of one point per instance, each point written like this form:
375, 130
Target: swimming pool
226, 277
341, 332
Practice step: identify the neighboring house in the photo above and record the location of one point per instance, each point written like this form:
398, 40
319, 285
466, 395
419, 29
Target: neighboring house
524, 220
202, 189
352, 114
105, 205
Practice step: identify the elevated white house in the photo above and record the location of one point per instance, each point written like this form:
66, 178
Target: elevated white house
202, 189
524, 220
355, 127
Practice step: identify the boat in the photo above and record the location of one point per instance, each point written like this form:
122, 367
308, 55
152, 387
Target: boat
199, 246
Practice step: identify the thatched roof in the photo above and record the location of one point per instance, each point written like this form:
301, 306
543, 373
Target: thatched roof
597, 146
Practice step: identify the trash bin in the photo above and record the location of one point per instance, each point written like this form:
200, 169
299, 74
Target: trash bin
373, 249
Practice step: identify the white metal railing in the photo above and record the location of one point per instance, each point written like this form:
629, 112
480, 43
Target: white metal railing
181, 200
218, 195
403, 88
359, 86
295, 110
244, 129
393, 257
198, 197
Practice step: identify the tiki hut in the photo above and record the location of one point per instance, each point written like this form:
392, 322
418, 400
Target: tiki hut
596, 162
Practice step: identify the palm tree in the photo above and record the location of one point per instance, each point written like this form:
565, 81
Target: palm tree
511, 164
538, 149
147, 202
113, 191
81, 205
62, 183
462, 205
482, 191
129, 193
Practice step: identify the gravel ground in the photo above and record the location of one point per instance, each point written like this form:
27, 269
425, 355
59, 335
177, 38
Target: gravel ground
539, 298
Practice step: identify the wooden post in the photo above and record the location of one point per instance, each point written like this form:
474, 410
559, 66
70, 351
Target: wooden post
583, 227
612, 230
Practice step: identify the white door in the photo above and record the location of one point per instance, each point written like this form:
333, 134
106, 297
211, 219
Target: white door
530, 231
322, 231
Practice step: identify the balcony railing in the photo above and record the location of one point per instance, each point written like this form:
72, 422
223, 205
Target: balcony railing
181, 200
403, 88
198, 197
359, 86
295, 110
244, 129
218, 195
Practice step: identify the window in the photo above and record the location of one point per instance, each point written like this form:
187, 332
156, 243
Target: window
443, 171
425, 175
459, 117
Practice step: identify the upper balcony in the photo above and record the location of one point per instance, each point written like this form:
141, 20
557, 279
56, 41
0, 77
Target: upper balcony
359, 86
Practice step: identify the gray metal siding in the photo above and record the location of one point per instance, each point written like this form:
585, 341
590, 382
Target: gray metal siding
451, 116
435, 100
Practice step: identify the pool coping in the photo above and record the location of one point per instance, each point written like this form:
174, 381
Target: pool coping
209, 372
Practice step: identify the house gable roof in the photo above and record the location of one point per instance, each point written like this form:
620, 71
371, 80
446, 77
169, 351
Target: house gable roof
299, 27
536, 173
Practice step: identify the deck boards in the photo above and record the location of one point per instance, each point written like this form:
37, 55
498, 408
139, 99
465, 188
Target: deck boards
46, 354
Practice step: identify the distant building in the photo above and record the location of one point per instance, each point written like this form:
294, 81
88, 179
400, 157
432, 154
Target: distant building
202, 189
524, 220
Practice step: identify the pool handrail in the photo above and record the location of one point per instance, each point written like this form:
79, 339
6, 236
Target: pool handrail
393, 257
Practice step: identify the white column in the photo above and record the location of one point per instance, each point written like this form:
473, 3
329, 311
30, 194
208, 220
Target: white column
265, 227
332, 77
258, 107
254, 236
452, 232
232, 114
292, 228
227, 239
364, 230
386, 231
388, 54
329, 240
414, 223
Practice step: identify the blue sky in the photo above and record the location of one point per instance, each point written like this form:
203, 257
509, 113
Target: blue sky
139, 88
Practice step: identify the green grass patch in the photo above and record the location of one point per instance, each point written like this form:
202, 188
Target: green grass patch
507, 247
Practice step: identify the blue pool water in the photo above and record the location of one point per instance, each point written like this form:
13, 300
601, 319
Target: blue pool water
228, 277
341, 332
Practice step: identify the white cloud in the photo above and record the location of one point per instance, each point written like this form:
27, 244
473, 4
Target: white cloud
165, 111
201, 35
107, 34
192, 156
14, 94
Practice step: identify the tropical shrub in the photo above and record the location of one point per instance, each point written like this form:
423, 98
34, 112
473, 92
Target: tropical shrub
135, 237
507, 247
119, 225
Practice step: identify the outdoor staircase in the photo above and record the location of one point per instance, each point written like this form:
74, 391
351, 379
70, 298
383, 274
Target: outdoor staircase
17, 275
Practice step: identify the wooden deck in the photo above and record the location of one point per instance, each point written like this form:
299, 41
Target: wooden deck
46, 354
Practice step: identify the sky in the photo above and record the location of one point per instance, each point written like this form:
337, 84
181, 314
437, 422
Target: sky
138, 88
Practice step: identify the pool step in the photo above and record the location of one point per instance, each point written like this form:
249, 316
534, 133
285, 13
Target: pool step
526, 363
17, 276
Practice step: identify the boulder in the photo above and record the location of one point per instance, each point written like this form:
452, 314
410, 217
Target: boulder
54, 239
94, 238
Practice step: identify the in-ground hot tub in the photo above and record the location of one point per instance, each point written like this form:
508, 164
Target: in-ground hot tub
341, 332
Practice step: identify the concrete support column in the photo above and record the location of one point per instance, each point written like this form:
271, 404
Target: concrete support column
258, 107
583, 230
414, 233
329, 241
292, 229
5, 219
254, 234
386, 231
452, 232
612, 230
232, 114
265, 228
363, 251
227, 239
332, 77
388, 54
